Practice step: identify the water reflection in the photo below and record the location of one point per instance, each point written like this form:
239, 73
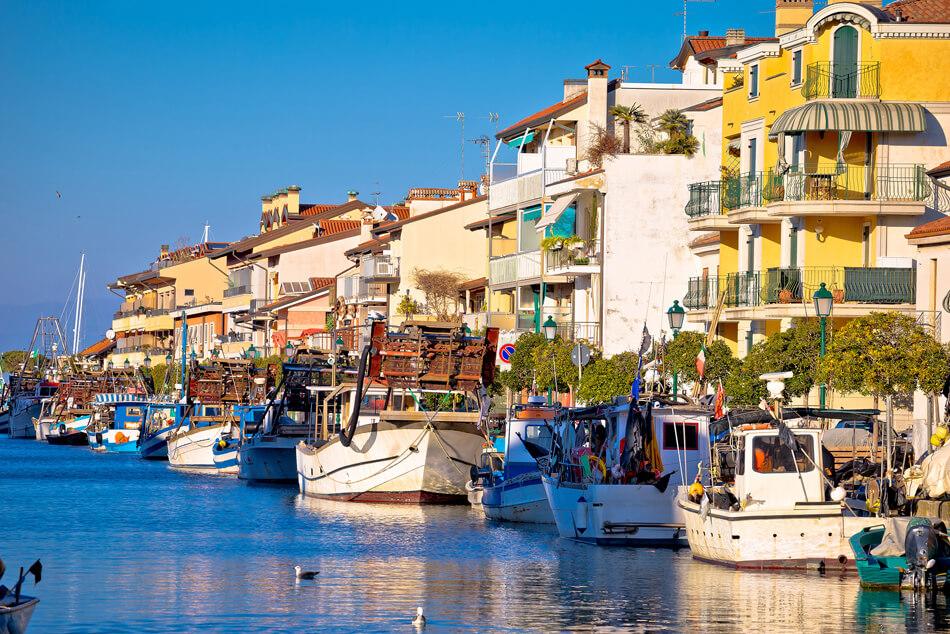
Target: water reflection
134, 546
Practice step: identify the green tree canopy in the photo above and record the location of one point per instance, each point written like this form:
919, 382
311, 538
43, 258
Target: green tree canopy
605, 379
553, 366
521, 374
681, 355
884, 354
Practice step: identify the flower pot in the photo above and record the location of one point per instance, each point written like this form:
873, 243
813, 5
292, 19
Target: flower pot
838, 295
785, 296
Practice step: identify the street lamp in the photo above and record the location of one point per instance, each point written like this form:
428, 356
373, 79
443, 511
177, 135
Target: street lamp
168, 359
193, 356
677, 315
824, 303
289, 348
147, 362
550, 328
127, 364
252, 352
111, 365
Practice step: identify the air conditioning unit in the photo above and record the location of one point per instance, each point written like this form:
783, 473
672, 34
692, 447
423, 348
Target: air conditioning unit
571, 166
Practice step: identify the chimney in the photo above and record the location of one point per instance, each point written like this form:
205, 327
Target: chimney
703, 34
293, 199
791, 15
163, 252
735, 37
351, 195
596, 104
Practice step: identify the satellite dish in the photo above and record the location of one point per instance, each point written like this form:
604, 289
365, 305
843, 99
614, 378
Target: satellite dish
379, 214
110, 334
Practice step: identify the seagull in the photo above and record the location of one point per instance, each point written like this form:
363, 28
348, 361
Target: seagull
302, 574
58, 195
420, 620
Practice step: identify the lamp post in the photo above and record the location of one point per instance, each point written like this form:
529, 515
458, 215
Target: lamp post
127, 364
289, 350
677, 315
824, 303
550, 332
147, 362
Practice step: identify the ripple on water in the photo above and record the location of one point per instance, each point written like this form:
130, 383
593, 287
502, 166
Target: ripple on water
133, 546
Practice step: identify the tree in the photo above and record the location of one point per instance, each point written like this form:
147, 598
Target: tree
407, 306
676, 126
521, 374
605, 379
681, 356
553, 366
628, 115
13, 360
441, 289
603, 145
884, 354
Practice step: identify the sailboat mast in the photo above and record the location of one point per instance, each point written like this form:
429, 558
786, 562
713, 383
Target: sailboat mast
77, 322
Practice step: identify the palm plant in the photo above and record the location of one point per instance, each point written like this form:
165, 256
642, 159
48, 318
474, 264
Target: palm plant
673, 122
628, 115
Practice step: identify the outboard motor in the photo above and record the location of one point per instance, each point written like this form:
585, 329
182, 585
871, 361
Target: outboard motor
921, 546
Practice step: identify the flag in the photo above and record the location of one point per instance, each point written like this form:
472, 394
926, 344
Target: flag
701, 361
720, 402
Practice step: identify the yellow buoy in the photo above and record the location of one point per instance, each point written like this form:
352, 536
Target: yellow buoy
935, 440
942, 432
222, 444
696, 489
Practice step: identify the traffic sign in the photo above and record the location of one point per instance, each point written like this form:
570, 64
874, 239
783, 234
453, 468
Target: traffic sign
580, 354
506, 351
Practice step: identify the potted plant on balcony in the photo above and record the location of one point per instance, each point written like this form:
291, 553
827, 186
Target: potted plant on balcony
785, 296
552, 243
838, 295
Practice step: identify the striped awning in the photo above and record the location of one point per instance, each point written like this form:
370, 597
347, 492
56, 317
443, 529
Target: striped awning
864, 116
118, 398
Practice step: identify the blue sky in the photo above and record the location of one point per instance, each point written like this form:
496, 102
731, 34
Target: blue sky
152, 118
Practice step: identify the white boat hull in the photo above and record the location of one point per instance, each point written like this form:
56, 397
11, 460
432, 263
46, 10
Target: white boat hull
617, 514
197, 449
518, 501
403, 461
268, 459
43, 428
809, 536
22, 412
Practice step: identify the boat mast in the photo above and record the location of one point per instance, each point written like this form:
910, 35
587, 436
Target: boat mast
80, 296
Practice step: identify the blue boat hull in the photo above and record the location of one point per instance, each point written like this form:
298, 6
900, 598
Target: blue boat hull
113, 441
155, 446
520, 500
271, 459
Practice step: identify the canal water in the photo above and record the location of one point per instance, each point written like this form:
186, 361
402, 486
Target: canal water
132, 546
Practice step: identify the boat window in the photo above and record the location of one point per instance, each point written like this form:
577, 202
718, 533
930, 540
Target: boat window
770, 455
212, 411
681, 435
740, 458
538, 434
372, 404
134, 411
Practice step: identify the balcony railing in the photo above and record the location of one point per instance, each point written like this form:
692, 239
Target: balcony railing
828, 80
834, 181
234, 291
585, 254
795, 285
514, 267
717, 197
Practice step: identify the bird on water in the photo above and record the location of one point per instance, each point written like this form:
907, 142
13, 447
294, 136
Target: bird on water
420, 620
305, 574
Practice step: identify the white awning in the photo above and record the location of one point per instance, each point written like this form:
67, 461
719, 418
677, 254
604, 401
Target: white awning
555, 210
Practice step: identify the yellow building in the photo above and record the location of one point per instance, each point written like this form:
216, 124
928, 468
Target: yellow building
828, 132
178, 280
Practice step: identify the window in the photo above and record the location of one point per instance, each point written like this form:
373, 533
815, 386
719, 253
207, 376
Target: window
797, 67
189, 292
538, 434
753, 81
769, 455
528, 236
681, 435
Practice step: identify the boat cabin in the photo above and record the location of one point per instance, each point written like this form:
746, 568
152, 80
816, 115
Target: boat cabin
769, 475
118, 411
529, 423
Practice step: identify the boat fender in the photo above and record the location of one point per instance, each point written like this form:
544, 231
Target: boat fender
62, 429
580, 515
695, 492
222, 444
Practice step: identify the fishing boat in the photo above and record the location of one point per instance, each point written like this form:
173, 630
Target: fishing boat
161, 419
208, 432
616, 471
427, 435
26, 405
269, 435
38, 377
116, 422
64, 416
516, 494
16, 609
72, 433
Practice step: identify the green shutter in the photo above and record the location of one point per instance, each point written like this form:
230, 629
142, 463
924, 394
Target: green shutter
845, 77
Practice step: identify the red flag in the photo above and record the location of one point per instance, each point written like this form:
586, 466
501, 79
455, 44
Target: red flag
720, 401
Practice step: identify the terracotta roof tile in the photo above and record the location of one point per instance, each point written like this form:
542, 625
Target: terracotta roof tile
713, 45
369, 245
941, 170
395, 224
919, 11
938, 227
544, 114
101, 346
316, 283
704, 240
331, 226
705, 106
311, 210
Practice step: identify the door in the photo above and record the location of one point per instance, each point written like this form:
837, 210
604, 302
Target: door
844, 80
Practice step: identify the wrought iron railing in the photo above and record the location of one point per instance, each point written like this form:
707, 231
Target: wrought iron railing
830, 80
839, 181
717, 197
704, 199
795, 285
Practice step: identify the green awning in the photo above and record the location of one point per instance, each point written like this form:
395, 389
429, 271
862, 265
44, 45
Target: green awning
860, 116
521, 139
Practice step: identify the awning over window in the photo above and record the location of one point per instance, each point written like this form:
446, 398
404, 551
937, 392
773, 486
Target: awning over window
864, 116
555, 210
520, 140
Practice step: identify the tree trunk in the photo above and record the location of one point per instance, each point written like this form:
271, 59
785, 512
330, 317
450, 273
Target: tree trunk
626, 137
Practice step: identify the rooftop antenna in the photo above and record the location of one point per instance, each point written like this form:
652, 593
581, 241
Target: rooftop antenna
653, 68
625, 72
684, 13
460, 117
376, 195
485, 142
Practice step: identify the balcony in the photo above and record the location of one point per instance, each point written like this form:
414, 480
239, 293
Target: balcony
235, 291
582, 259
827, 80
522, 188
795, 286
707, 208
357, 290
509, 269
848, 190
380, 268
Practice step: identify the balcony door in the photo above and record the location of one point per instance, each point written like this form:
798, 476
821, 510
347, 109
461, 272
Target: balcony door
844, 80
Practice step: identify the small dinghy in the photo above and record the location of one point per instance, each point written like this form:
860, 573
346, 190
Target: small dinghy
16, 609
881, 553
